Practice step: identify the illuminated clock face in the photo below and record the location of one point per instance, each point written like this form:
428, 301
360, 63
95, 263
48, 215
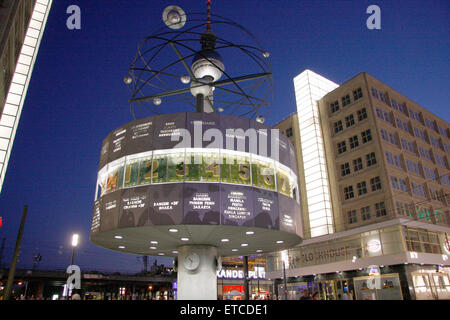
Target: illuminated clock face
192, 261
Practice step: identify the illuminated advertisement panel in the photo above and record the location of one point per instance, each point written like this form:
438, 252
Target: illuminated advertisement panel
265, 206
96, 213
204, 130
134, 207
109, 212
236, 205
139, 136
166, 128
201, 204
287, 214
166, 204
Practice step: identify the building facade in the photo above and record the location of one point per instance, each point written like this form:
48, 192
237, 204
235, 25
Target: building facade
386, 182
22, 24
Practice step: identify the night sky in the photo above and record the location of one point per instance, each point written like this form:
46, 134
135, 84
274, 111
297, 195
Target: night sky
77, 96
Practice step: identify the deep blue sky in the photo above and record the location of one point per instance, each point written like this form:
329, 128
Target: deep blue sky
77, 96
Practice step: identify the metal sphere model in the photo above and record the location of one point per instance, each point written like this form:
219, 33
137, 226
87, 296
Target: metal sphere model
201, 184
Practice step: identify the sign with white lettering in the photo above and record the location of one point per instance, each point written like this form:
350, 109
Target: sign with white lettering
236, 205
201, 204
258, 273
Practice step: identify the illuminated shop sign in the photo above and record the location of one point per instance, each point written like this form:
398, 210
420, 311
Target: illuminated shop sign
374, 246
258, 273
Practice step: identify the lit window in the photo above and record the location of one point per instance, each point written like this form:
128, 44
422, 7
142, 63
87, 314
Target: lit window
394, 182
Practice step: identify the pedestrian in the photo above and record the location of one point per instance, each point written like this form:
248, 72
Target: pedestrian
305, 295
76, 296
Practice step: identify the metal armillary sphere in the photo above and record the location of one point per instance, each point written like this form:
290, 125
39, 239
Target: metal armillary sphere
185, 63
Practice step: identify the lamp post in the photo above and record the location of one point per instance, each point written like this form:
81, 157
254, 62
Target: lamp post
75, 238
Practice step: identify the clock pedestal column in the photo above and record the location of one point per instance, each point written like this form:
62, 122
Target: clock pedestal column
197, 281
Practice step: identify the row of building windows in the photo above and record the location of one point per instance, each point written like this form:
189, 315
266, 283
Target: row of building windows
370, 160
353, 142
417, 116
428, 138
349, 120
362, 188
423, 213
414, 167
365, 213
345, 100
417, 189
421, 240
411, 147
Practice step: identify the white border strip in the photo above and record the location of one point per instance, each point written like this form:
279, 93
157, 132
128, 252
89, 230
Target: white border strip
15, 98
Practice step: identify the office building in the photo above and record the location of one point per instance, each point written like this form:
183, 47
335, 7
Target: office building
375, 194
